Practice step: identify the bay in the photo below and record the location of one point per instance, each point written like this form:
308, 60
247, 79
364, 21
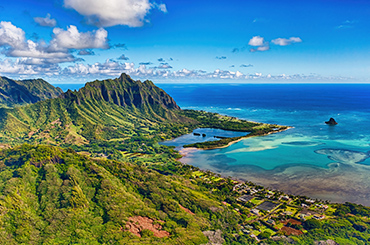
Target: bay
313, 159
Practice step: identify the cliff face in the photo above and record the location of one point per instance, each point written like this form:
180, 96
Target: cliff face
124, 91
14, 92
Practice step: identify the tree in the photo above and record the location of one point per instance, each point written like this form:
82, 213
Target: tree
311, 224
264, 235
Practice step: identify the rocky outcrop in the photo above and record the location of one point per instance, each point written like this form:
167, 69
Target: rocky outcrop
331, 122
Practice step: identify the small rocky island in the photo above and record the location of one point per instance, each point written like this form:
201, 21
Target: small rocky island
331, 122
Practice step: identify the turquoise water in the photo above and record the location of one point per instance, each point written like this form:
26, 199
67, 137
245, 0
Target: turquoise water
313, 159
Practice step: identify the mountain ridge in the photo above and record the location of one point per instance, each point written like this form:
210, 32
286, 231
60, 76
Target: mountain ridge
19, 92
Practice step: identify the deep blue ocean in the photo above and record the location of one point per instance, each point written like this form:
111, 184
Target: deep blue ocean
313, 159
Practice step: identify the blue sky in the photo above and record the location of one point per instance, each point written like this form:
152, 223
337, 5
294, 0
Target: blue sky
75, 41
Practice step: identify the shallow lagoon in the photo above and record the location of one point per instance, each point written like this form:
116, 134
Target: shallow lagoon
313, 159
209, 136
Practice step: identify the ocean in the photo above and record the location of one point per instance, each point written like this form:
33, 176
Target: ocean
311, 159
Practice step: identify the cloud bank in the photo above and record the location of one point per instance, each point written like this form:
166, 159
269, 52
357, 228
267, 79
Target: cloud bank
79, 71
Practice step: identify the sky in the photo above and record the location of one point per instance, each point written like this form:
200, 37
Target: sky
76, 41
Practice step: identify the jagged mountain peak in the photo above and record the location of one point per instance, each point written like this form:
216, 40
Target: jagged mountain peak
124, 91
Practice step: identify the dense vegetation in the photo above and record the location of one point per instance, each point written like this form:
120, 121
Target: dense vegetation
13, 93
53, 195
86, 168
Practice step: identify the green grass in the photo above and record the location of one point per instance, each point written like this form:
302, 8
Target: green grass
256, 201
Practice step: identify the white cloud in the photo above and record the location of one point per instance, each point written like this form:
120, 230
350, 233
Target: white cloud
260, 43
109, 67
28, 67
256, 41
14, 41
164, 66
347, 24
286, 41
262, 48
162, 7
107, 13
11, 35
45, 21
73, 39
15, 44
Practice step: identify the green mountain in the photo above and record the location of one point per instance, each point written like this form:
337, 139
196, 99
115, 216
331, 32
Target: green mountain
14, 93
102, 110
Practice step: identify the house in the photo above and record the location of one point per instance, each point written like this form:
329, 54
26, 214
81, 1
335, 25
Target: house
270, 222
245, 198
284, 198
307, 212
318, 217
267, 206
322, 206
236, 187
310, 201
255, 211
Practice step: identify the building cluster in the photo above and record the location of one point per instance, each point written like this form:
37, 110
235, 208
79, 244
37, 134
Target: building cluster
275, 212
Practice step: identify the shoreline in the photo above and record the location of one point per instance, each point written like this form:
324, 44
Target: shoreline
242, 137
186, 150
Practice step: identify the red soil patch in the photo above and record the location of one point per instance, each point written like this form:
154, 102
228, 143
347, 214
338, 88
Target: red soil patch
138, 223
291, 231
292, 221
186, 210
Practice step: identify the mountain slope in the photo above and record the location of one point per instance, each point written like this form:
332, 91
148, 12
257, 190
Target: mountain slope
53, 196
13, 93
